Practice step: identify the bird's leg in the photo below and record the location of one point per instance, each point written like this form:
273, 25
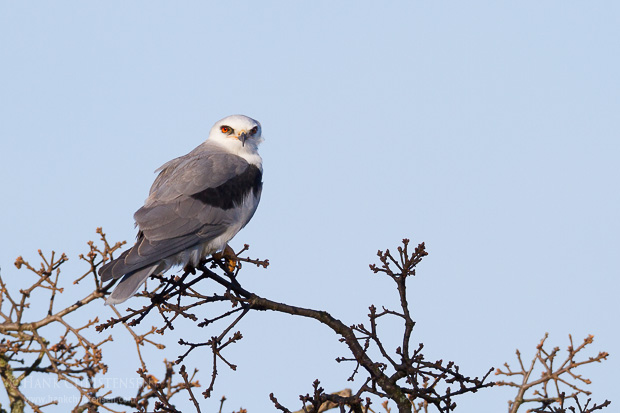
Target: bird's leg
229, 257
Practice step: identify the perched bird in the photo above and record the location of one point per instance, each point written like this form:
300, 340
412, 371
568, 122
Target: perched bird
197, 204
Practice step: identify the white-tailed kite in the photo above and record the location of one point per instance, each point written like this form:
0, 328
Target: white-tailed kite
197, 203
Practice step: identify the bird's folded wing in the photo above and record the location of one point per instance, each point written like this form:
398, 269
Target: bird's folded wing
194, 199
182, 217
196, 191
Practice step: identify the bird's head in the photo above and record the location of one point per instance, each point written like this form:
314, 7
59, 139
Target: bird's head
238, 133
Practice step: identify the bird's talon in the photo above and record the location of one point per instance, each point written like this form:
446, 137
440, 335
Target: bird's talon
231, 265
230, 259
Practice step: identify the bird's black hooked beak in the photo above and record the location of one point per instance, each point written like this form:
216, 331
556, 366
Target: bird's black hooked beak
242, 137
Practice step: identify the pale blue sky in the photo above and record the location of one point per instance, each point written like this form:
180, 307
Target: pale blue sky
489, 130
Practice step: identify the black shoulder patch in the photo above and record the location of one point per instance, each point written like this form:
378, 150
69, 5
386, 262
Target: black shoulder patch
232, 192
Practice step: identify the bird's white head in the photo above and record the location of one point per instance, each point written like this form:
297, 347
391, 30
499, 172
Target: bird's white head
238, 133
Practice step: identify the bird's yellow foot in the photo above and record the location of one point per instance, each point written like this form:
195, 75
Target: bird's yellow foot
230, 258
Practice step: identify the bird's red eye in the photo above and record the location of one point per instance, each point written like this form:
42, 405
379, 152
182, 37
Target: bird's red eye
254, 130
226, 129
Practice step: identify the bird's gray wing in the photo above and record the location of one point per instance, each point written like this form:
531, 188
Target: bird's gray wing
194, 199
197, 193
